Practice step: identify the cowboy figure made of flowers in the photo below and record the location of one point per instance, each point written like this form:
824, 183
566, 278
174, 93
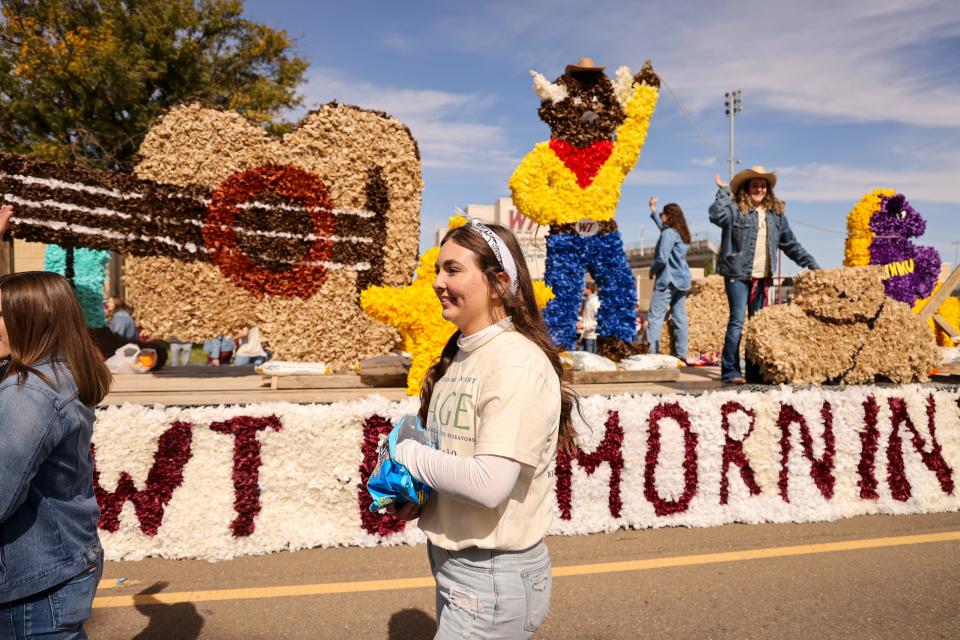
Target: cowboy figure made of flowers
572, 183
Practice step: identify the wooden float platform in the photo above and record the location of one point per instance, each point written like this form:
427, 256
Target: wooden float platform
242, 385
946, 371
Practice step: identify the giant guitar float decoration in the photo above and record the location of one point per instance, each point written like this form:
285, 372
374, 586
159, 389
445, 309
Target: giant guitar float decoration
224, 225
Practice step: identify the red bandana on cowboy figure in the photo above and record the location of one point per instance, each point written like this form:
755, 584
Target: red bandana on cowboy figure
584, 162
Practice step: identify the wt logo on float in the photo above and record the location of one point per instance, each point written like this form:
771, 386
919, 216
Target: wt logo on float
166, 475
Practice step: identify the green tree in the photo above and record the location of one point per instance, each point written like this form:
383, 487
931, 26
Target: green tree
83, 80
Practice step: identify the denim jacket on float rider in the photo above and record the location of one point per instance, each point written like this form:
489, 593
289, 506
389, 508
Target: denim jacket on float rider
48, 512
739, 238
670, 258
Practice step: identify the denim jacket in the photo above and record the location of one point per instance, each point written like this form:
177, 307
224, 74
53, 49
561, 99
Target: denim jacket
739, 238
48, 512
670, 258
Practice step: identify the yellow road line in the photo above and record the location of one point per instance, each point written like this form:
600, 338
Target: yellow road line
262, 592
566, 571
755, 554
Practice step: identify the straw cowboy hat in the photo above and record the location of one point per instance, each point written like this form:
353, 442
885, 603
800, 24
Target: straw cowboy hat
585, 65
747, 175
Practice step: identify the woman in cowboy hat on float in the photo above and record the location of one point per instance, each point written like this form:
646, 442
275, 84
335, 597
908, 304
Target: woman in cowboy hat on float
753, 228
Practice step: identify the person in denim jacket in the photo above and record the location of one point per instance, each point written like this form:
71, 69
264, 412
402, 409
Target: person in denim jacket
673, 277
753, 227
50, 555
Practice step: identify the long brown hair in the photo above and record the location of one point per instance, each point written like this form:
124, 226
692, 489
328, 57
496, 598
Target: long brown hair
770, 201
677, 221
522, 309
44, 321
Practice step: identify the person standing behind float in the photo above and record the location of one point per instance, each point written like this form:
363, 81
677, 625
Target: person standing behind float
250, 349
753, 228
673, 278
179, 352
52, 558
588, 318
495, 403
120, 320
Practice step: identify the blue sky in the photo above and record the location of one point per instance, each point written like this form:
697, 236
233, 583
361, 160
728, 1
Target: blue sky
840, 98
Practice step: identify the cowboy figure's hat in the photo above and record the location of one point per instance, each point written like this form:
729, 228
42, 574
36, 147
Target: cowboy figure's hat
584, 66
747, 175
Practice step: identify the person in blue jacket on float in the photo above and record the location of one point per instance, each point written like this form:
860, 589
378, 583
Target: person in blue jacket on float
753, 227
673, 278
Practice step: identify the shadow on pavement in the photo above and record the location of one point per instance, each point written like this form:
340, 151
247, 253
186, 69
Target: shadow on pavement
167, 621
411, 624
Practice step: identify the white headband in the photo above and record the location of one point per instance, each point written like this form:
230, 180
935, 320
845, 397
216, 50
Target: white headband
497, 245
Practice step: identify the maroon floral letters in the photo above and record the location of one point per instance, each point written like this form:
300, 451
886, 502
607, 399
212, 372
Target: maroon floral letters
246, 467
668, 507
821, 470
733, 452
166, 474
933, 459
610, 450
374, 523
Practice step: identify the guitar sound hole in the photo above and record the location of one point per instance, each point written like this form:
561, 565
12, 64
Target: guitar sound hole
271, 248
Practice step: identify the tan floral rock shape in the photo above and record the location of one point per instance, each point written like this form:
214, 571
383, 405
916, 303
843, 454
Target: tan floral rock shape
840, 328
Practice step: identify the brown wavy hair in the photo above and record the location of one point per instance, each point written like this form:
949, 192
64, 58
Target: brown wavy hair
44, 322
677, 221
526, 318
770, 201
119, 305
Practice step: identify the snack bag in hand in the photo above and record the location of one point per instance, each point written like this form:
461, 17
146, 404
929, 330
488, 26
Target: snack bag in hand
390, 480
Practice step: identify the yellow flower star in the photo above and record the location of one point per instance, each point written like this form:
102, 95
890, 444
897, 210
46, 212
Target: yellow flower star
415, 312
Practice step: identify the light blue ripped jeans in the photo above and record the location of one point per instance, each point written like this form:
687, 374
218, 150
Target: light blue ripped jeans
486, 594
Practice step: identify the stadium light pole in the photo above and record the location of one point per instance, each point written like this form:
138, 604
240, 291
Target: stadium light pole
734, 105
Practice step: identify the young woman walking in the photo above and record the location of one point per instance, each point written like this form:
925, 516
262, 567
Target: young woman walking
495, 404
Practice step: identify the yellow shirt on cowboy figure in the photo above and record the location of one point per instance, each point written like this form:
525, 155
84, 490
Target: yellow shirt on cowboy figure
547, 192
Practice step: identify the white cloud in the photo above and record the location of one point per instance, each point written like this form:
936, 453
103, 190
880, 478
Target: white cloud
824, 182
447, 139
397, 42
846, 61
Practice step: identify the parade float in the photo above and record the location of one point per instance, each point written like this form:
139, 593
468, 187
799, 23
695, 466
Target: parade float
314, 236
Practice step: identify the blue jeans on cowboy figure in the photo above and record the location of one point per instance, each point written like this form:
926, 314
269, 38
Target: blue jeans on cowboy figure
740, 300
569, 258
